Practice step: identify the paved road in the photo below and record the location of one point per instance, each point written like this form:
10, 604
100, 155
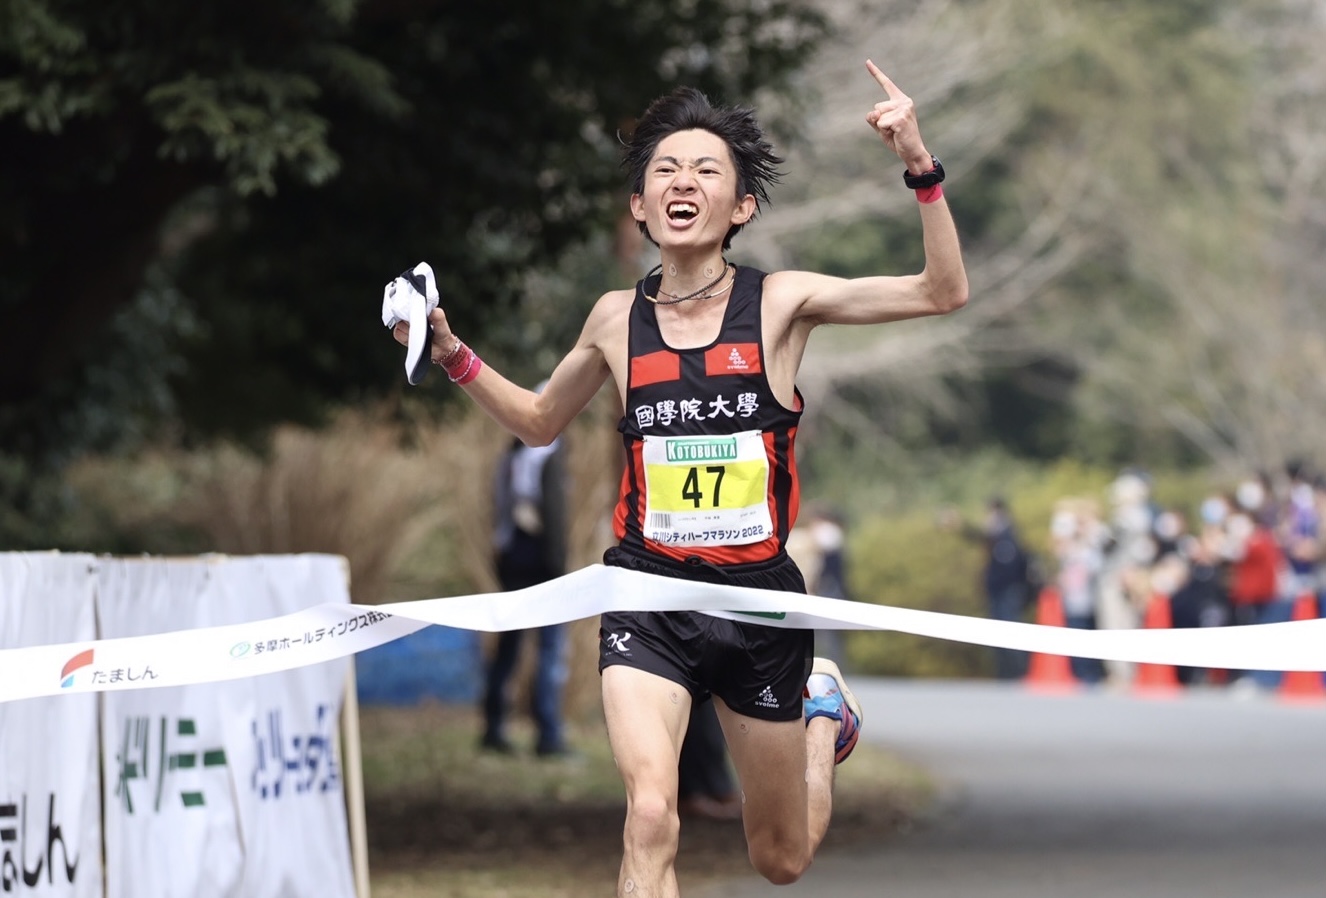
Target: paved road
1095, 795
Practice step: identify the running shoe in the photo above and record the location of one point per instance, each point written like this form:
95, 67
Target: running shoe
826, 695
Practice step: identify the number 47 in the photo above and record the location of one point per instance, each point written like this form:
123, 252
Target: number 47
691, 488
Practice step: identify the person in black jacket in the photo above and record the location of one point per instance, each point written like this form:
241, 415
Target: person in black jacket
530, 545
1005, 577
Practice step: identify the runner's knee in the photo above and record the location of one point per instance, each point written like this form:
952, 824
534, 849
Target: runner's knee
652, 819
780, 862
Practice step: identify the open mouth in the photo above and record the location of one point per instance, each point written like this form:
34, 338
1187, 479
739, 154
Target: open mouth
680, 212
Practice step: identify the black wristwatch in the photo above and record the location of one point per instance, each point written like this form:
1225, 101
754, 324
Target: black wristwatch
925, 179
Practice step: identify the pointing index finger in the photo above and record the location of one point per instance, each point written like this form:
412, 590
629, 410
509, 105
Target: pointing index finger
889, 87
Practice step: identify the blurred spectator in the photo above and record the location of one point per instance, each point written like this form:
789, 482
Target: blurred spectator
1129, 553
1199, 598
1256, 566
1208, 557
817, 545
1006, 576
530, 543
1077, 537
830, 577
1299, 531
1319, 492
1214, 515
1252, 555
1167, 531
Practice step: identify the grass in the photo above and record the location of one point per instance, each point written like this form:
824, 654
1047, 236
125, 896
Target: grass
448, 821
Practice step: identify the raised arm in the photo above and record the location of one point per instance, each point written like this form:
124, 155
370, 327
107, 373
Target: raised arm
941, 286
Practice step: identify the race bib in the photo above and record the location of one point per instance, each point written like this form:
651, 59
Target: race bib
707, 490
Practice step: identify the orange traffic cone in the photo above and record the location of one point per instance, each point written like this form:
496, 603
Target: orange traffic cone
1050, 673
1303, 686
1157, 680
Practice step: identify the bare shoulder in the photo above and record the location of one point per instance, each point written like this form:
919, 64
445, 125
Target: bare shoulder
616, 302
610, 312
786, 293
792, 288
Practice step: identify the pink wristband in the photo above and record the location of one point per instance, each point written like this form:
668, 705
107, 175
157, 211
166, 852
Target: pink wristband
458, 361
471, 371
927, 195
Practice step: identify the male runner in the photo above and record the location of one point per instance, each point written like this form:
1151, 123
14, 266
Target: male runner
704, 355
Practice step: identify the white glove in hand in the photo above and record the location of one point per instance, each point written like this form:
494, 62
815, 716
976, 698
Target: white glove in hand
411, 297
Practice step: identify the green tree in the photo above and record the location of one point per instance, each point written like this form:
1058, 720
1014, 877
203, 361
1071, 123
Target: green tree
1108, 171
202, 201
340, 141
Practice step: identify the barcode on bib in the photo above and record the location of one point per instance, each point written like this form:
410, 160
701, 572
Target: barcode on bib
659, 520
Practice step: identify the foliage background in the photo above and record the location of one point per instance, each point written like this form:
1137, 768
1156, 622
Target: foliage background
200, 205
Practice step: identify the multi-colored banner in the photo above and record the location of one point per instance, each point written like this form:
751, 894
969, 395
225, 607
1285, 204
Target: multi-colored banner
326, 632
218, 787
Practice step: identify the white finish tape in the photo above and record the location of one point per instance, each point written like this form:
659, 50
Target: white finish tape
325, 632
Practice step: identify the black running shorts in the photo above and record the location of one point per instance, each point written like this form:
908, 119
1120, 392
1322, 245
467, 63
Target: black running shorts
757, 670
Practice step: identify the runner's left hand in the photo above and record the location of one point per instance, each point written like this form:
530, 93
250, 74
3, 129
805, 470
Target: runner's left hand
895, 121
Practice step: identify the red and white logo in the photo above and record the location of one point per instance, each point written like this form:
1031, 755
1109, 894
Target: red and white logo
733, 358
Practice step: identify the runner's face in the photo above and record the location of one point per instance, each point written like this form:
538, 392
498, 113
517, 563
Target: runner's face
690, 192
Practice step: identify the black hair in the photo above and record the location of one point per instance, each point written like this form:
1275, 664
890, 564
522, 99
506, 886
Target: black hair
687, 109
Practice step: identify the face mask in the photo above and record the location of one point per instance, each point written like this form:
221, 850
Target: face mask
1250, 495
1063, 525
828, 536
1214, 511
1168, 526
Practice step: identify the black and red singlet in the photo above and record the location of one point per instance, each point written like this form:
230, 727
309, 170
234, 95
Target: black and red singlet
710, 470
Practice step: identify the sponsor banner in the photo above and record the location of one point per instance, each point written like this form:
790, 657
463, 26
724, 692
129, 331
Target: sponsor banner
172, 827
50, 817
218, 788
284, 743
329, 631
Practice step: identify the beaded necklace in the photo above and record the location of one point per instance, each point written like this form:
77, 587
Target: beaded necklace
702, 293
